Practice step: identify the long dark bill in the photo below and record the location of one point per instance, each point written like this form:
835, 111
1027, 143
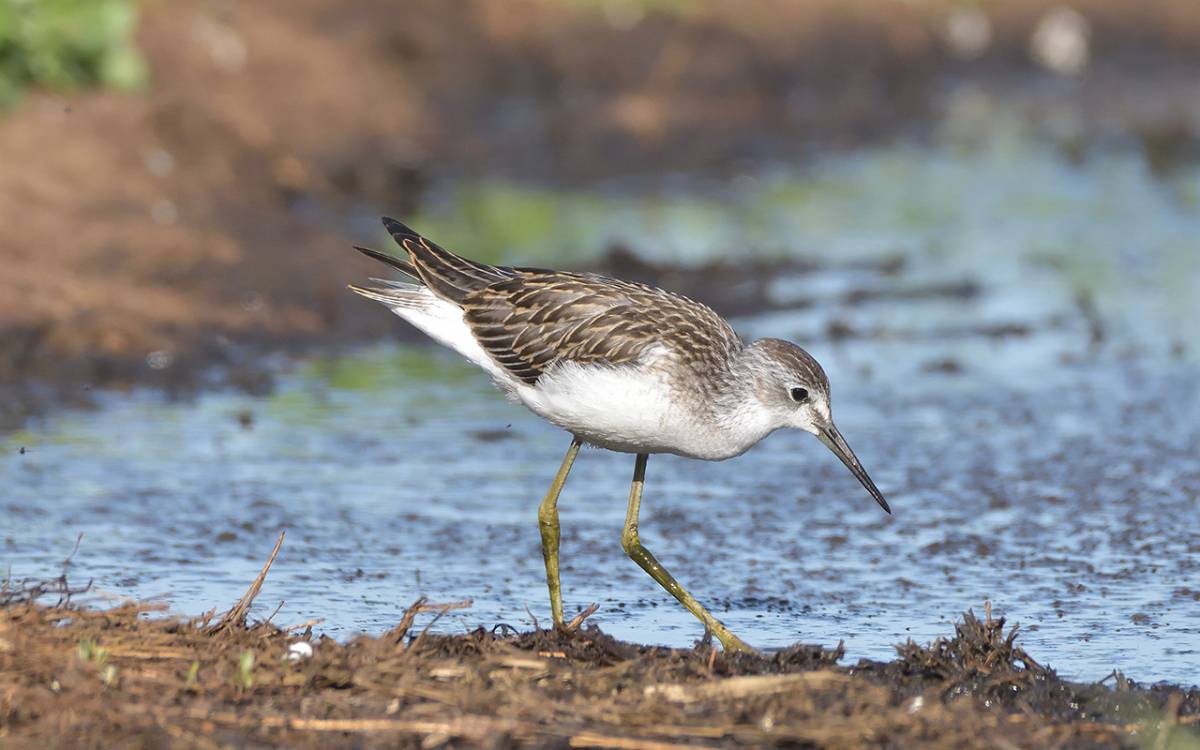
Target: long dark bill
836, 443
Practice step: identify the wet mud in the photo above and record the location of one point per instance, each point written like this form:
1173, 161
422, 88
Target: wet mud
127, 675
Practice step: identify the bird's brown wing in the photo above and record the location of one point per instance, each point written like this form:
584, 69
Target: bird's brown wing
535, 319
528, 319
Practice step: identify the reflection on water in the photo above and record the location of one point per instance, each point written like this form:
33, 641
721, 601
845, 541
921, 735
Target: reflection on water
1021, 383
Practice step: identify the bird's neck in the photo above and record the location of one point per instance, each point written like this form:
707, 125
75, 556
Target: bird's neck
737, 392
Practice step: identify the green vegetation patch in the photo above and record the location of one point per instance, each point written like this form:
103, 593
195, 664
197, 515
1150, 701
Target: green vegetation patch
68, 45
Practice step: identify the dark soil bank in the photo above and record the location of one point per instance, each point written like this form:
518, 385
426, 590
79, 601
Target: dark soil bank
209, 216
73, 677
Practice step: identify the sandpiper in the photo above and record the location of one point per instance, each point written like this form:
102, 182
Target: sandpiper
619, 365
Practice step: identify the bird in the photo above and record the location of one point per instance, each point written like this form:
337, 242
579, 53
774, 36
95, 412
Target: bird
618, 365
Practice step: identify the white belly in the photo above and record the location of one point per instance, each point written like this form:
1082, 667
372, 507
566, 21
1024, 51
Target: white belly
631, 409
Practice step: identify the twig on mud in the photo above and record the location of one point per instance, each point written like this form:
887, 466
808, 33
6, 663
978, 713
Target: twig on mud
536, 625
305, 624
236, 616
744, 687
592, 739
29, 590
397, 634
1121, 683
578, 619
274, 612
201, 621
441, 610
473, 727
67, 562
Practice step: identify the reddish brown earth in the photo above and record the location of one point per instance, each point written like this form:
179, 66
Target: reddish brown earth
208, 216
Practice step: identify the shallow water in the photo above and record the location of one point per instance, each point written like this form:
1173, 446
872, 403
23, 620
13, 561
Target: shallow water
1011, 340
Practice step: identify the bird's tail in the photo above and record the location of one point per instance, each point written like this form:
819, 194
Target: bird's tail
395, 294
402, 266
449, 276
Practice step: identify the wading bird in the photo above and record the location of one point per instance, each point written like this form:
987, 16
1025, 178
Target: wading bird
619, 365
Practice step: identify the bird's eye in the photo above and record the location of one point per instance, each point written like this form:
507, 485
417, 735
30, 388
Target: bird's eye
799, 395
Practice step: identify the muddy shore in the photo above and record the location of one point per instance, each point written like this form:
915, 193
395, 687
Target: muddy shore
73, 676
206, 220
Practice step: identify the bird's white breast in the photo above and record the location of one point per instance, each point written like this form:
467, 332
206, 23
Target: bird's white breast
635, 409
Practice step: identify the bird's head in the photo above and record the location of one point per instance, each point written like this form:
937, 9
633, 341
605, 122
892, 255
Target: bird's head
793, 389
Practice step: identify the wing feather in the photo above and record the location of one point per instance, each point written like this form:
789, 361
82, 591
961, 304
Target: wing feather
536, 319
528, 320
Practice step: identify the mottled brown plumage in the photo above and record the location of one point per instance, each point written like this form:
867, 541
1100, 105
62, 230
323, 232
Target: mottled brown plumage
529, 319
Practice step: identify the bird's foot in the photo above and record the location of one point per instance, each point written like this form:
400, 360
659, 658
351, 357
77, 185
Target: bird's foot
731, 643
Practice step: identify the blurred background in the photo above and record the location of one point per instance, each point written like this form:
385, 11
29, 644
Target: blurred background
982, 217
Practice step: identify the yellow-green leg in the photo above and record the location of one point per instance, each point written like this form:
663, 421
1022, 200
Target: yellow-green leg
548, 524
641, 555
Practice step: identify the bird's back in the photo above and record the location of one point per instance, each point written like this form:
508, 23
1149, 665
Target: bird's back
528, 320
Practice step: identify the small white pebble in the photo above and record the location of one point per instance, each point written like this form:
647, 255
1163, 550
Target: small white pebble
299, 650
915, 704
